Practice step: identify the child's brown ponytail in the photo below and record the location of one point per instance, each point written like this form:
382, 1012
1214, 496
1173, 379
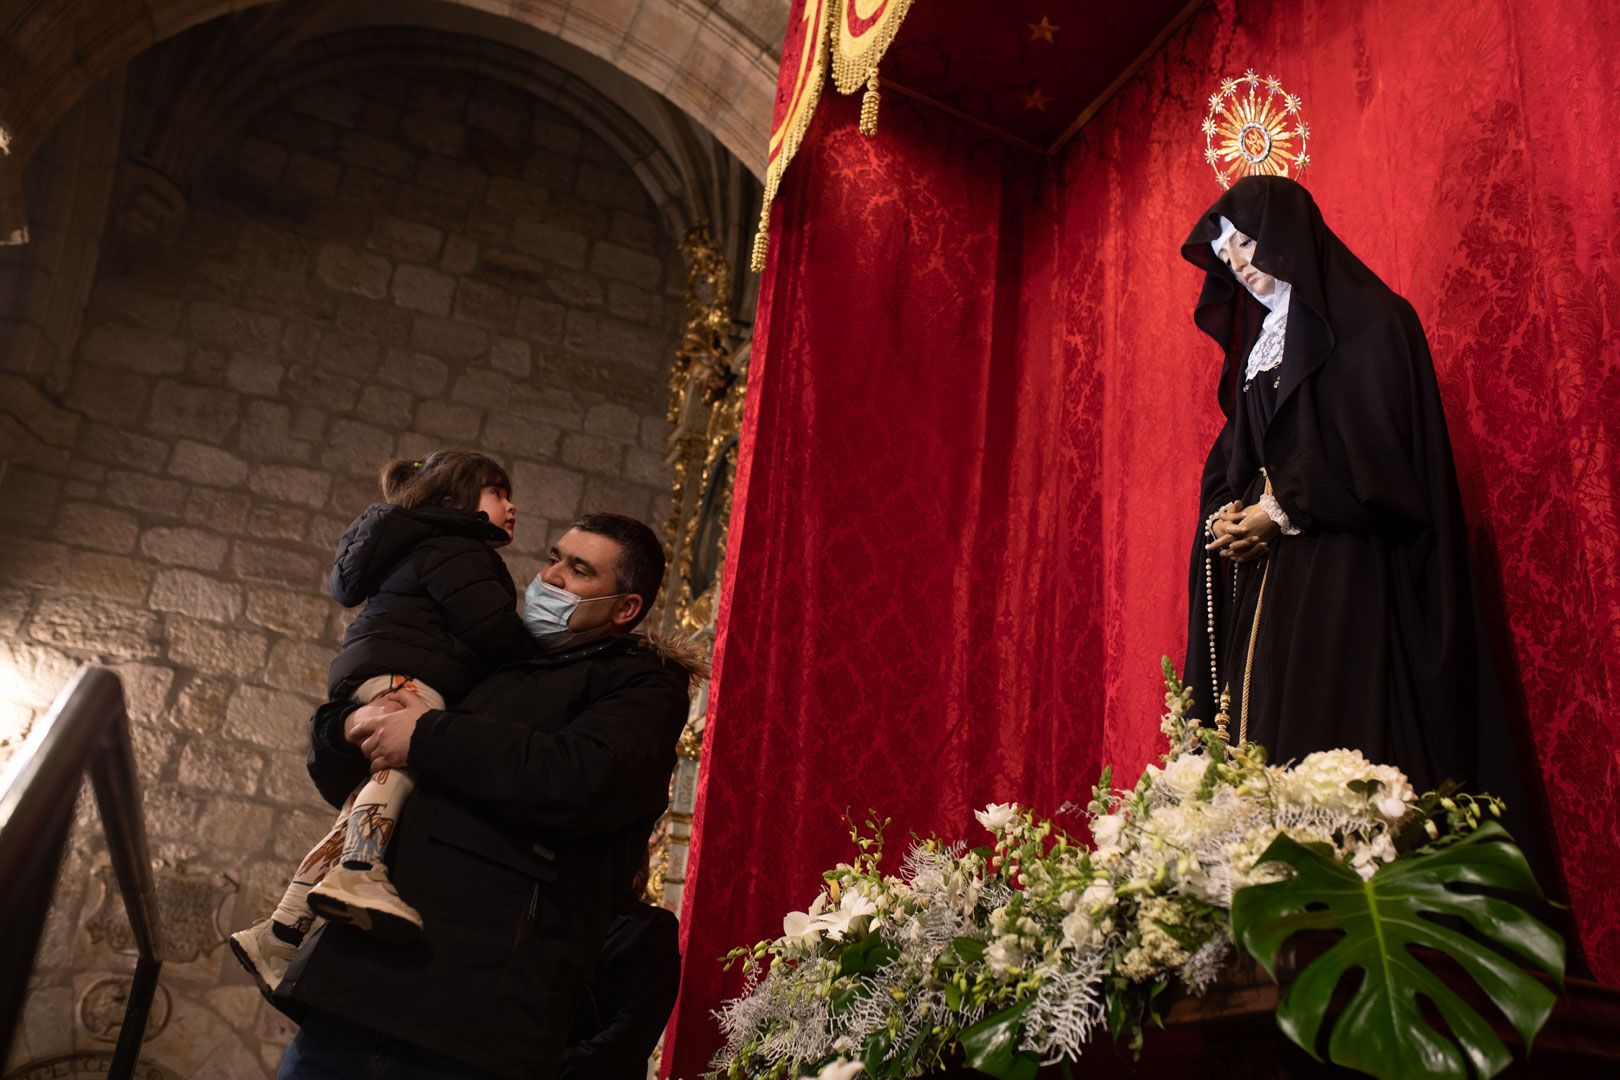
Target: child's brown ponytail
452, 478
395, 475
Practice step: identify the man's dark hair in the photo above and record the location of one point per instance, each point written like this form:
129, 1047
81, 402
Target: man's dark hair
640, 566
452, 478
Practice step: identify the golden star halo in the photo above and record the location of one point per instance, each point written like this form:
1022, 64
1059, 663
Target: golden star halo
1253, 128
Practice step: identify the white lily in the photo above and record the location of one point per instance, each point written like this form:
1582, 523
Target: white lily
840, 1070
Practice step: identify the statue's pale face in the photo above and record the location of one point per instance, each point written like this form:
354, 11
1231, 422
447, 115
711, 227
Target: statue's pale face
1237, 253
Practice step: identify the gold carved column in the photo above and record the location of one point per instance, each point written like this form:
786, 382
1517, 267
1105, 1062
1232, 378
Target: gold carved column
707, 387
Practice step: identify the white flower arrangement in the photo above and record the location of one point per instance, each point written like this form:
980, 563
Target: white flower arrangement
1036, 943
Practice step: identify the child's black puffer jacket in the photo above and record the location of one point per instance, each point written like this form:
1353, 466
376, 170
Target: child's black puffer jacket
440, 603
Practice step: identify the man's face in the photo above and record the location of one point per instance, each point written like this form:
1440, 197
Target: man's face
582, 563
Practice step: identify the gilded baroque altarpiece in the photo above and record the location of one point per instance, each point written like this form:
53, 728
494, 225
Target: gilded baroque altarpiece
707, 385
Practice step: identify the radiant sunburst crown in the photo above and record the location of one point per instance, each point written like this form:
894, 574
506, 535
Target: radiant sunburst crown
1254, 127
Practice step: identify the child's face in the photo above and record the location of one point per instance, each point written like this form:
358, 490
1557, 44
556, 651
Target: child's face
497, 505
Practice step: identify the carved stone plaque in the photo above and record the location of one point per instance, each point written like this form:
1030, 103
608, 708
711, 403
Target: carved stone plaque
189, 905
85, 1065
101, 1009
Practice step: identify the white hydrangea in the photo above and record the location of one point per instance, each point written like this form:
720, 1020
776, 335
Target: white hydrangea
1323, 781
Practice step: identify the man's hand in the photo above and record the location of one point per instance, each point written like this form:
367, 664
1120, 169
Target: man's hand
1242, 534
383, 729
357, 724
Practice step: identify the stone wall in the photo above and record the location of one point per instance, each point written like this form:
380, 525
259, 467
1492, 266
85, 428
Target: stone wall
380, 266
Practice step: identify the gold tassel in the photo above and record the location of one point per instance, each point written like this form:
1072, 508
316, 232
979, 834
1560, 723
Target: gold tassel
762, 240
1223, 718
869, 104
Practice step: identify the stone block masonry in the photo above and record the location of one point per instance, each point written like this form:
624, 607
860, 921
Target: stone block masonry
349, 283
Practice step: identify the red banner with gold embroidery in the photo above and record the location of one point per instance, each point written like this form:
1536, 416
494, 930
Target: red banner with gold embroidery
864, 31
798, 88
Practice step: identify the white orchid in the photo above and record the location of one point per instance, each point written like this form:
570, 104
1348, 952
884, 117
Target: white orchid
841, 920
804, 927
1394, 798
1367, 857
997, 816
840, 1070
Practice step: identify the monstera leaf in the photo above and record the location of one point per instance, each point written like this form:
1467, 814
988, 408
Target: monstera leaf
1383, 1030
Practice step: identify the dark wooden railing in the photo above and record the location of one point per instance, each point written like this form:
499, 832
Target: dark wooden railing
87, 730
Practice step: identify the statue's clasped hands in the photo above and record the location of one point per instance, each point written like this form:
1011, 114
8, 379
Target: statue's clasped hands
1241, 533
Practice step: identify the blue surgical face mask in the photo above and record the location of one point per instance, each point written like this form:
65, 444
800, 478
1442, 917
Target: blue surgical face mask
548, 609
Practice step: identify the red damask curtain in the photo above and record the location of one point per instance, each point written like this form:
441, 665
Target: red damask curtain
979, 407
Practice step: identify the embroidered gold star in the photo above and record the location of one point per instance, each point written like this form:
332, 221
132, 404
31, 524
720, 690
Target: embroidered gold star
1042, 30
1035, 101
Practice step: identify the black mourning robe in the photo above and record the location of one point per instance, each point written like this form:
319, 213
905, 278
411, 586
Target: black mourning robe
1370, 636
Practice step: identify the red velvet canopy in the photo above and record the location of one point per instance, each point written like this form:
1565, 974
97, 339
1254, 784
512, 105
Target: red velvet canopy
979, 407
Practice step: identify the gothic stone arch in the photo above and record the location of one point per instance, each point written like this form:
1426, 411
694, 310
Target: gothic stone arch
716, 62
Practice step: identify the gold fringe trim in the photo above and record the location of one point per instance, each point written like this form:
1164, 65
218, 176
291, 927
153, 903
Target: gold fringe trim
762, 240
853, 59
869, 105
798, 123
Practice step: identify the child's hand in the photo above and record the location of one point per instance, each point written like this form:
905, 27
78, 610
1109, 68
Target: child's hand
383, 729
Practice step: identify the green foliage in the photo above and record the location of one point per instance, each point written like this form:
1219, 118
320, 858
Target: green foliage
866, 956
1382, 1031
991, 1045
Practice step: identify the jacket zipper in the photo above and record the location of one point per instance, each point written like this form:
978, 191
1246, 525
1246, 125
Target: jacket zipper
517, 938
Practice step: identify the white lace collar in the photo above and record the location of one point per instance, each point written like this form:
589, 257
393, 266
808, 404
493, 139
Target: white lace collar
1268, 347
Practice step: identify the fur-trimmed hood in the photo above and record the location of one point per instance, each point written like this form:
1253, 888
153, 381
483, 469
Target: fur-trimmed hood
684, 650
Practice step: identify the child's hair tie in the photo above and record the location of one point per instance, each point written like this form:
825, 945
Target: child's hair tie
416, 464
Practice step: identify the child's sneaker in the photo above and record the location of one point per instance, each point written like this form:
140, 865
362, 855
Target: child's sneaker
265, 955
367, 900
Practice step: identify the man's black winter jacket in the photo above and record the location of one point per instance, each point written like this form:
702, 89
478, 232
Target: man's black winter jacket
534, 803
